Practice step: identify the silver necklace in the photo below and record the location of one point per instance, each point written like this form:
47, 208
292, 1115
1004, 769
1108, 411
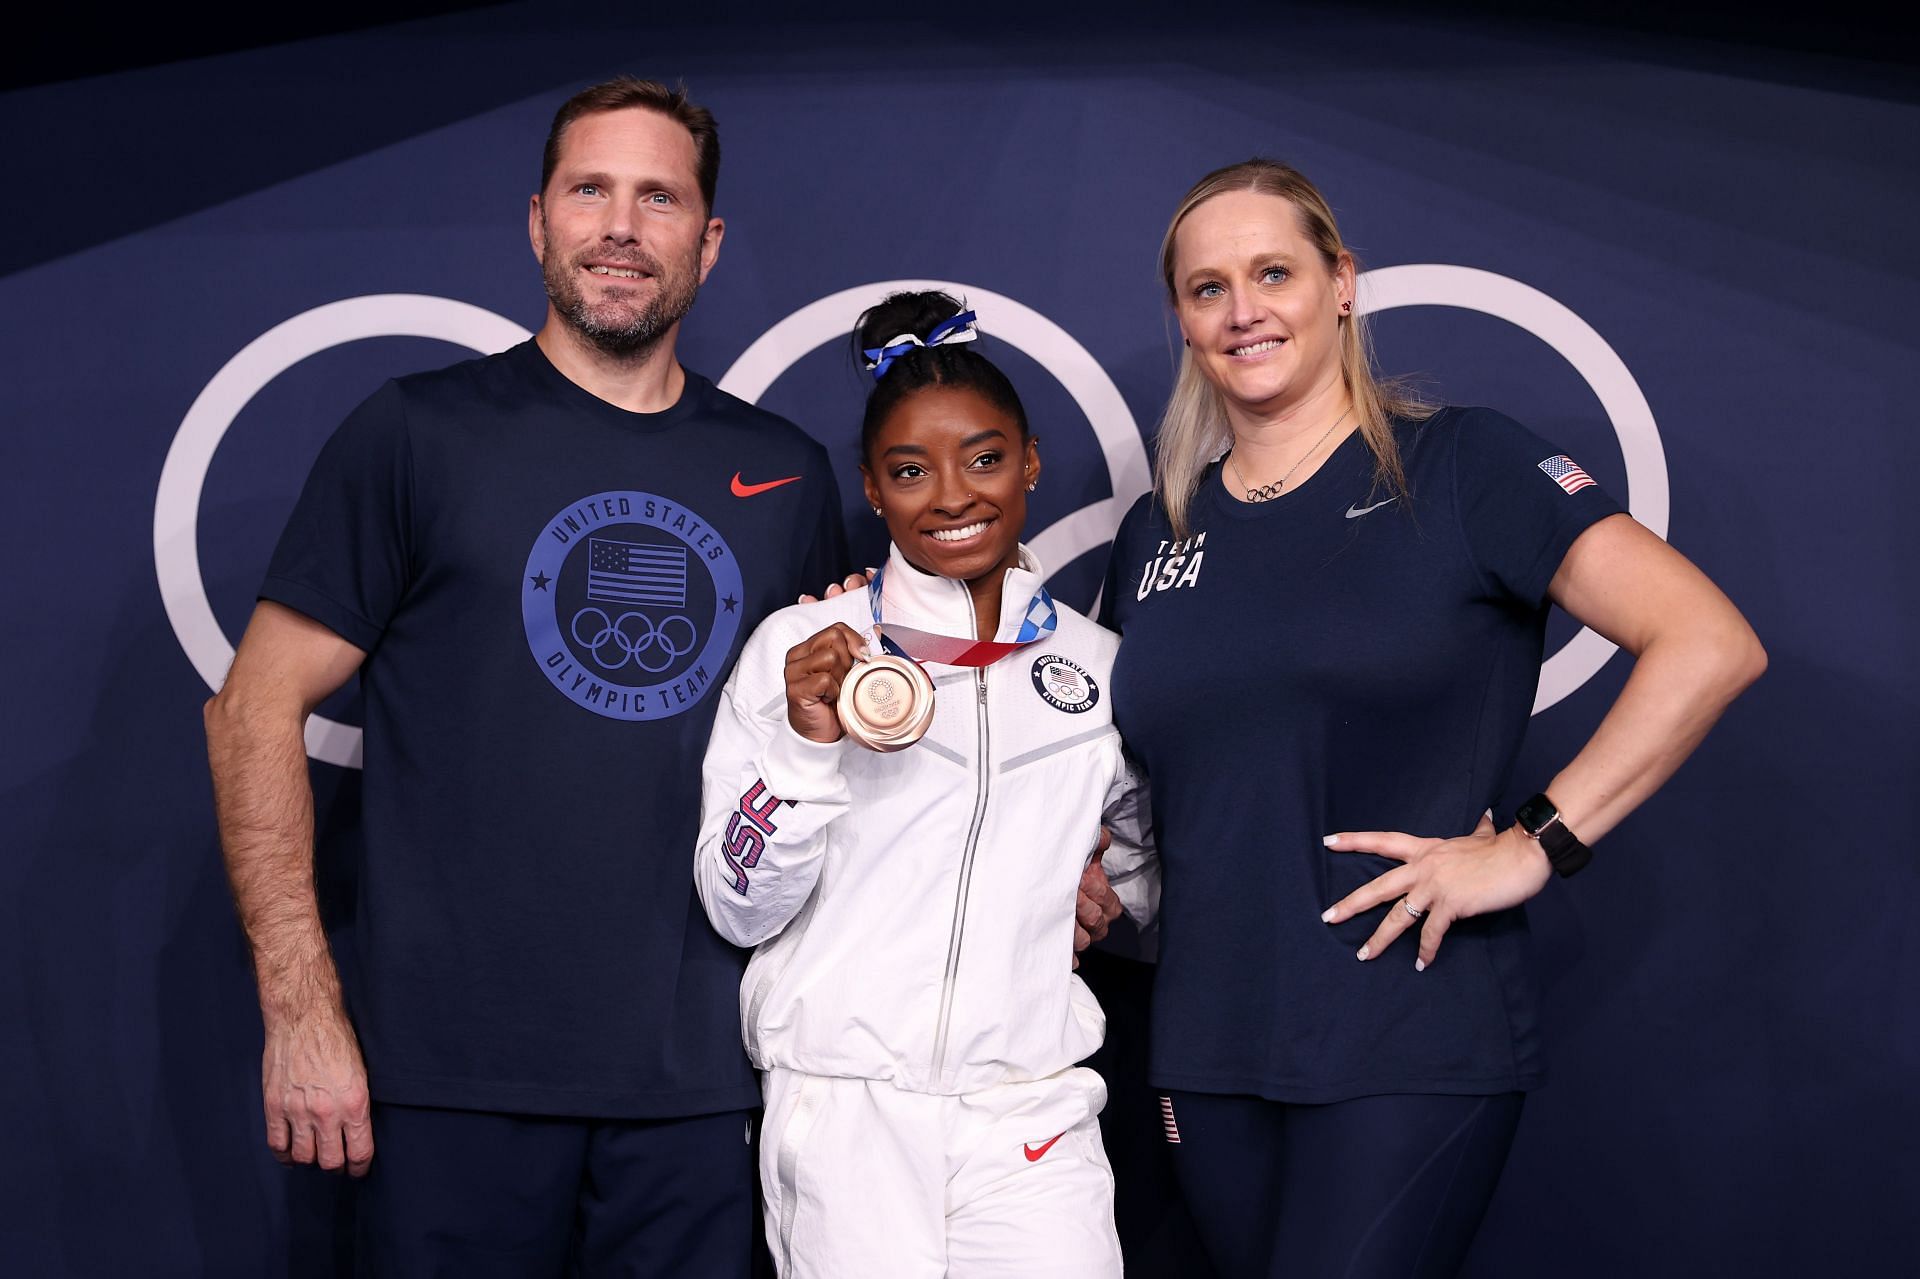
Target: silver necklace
1267, 492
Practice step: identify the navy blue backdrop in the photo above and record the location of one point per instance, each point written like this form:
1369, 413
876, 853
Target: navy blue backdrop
1691, 267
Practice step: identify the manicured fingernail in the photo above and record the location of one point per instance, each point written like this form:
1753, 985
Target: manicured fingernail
1365, 952
1419, 965
1326, 916
1331, 841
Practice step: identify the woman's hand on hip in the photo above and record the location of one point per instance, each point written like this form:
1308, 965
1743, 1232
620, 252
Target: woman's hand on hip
1439, 881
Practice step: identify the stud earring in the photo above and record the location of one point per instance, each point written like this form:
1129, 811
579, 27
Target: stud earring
876, 510
1032, 485
1346, 306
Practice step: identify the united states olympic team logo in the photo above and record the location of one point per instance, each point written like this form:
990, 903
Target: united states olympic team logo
631, 603
624, 639
1064, 685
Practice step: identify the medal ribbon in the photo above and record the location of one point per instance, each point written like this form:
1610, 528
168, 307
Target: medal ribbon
1038, 623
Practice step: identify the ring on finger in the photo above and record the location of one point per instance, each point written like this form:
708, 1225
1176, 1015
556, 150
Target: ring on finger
1411, 909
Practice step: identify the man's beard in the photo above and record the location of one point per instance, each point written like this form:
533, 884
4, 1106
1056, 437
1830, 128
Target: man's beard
618, 328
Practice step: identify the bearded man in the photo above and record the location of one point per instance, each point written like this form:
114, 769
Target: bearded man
542, 565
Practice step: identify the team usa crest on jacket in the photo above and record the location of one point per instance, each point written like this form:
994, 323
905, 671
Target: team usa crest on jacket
631, 603
830, 859
1065, 684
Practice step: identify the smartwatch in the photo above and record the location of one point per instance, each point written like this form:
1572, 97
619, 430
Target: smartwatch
1541, 821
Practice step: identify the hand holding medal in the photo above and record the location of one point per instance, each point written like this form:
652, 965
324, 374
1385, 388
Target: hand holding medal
836, 685
817, 670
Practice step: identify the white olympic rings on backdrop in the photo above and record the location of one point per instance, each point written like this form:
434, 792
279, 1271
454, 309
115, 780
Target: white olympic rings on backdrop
1434, 284
176, 507
183, 476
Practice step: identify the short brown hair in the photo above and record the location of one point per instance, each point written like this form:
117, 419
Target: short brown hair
626, 91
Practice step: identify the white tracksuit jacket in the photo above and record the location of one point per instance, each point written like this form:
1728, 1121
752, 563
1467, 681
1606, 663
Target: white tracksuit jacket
913, 912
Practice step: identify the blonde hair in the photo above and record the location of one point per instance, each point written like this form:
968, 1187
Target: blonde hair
1194, 429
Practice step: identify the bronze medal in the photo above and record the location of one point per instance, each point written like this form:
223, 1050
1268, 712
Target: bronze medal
886, 702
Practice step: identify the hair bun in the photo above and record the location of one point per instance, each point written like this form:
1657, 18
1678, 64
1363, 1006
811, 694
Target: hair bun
936, 347
915, 313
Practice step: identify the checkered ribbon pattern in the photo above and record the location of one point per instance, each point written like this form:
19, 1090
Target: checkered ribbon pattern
1040, 621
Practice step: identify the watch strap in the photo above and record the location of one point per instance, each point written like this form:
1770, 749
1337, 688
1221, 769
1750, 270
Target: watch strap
1540, 819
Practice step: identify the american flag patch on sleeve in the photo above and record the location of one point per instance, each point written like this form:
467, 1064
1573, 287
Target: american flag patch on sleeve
1566, 472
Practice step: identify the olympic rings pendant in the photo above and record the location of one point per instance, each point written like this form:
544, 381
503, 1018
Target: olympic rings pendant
886, 702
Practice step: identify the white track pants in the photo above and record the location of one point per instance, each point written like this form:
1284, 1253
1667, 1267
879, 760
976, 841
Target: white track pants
863, 1179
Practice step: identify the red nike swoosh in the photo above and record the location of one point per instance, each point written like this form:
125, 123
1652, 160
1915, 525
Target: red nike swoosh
1033, 1154
748, 490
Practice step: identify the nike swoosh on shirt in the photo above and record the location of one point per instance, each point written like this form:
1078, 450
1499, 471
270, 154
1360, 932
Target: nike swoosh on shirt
741, 489
1034, 1154
1355, 512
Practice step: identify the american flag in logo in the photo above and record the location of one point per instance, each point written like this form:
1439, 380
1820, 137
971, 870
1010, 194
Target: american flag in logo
634, 573
1166, 1121
1566, 472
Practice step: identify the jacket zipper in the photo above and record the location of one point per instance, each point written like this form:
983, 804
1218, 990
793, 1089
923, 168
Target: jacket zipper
957, 933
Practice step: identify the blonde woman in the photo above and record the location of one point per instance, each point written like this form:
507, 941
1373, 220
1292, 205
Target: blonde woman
1333, 608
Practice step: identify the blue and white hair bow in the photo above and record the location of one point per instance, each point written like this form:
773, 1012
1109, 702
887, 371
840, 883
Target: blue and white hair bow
958, 329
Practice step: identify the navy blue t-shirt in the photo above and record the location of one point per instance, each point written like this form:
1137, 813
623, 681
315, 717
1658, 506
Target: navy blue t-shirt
1339, 659
551, 591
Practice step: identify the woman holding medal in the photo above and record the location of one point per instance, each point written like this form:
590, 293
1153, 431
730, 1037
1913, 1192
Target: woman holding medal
1333, 611
898, 796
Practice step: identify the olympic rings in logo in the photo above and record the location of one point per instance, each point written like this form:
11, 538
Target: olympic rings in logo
631, 648
603, 652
